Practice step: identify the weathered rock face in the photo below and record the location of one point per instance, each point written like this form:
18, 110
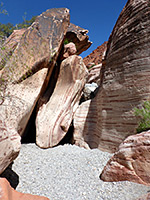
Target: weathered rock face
41, 35
54, 117
131, 162
19, 102
124, 78
12, 41
8, 193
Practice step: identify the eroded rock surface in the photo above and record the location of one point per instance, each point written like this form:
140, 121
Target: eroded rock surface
29, 67
19, 93
8, 193
131, 162
54, 117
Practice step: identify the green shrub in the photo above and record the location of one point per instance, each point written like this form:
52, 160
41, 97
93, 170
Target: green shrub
66, 41
144, 114
92, 66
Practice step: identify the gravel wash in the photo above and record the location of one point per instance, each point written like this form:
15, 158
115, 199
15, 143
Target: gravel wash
69, 172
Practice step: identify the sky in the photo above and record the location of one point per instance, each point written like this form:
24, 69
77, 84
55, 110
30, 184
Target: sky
97, 16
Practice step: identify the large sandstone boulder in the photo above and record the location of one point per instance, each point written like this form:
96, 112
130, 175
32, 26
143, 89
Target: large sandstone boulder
55, 116
124, 77
131, 162
26, 74
8, 193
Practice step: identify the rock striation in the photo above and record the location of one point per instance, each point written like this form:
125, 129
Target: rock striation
131, 162
8, 193
84, 125
126, 75
124, 78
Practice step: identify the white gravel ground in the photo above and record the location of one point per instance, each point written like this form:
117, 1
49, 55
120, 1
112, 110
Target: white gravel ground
69, 173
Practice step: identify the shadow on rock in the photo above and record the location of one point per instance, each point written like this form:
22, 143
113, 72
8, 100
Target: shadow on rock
11, 176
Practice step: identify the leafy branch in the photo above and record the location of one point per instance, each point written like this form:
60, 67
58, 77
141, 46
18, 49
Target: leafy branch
144, 115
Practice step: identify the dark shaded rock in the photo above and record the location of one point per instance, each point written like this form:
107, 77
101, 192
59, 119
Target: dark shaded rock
11, 176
